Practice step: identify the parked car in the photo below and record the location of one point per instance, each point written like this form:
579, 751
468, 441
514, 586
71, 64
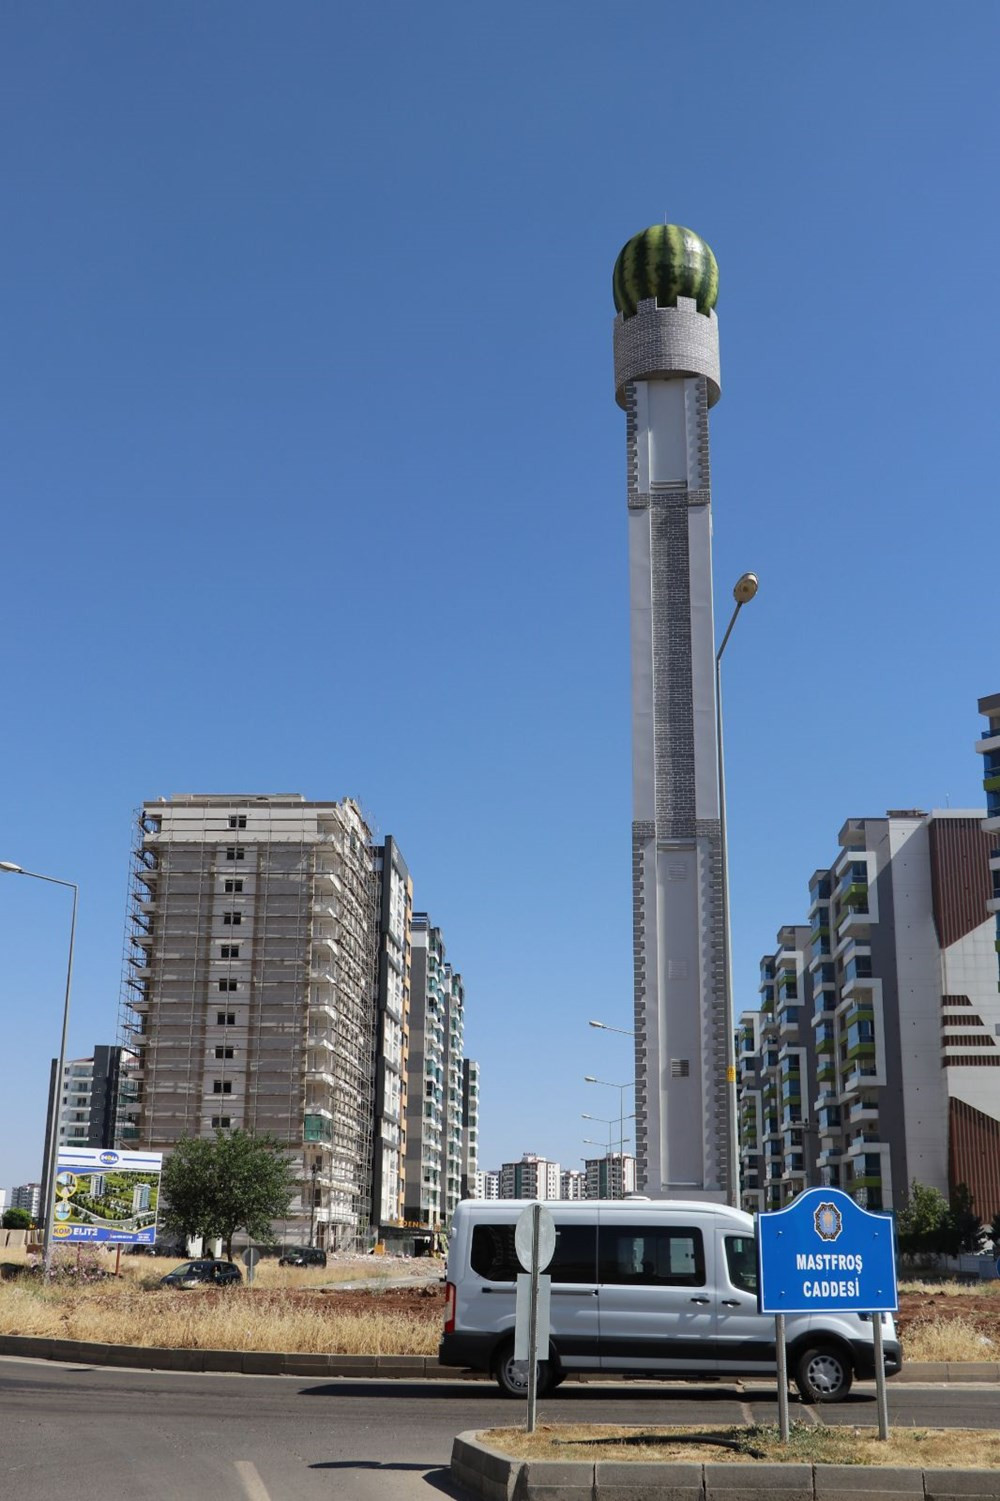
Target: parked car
303, 1256
203, 1273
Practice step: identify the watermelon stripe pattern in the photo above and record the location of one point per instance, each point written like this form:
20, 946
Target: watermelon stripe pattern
665, 261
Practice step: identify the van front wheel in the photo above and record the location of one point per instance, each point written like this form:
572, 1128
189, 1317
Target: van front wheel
823, 1374
512, 1375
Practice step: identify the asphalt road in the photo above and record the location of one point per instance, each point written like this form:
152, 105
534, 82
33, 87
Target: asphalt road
167, 1436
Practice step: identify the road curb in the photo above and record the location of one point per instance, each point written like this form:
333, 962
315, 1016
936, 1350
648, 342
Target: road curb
364, 1367
492, 1476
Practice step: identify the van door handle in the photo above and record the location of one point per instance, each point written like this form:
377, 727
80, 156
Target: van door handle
731, 1303
700, 1300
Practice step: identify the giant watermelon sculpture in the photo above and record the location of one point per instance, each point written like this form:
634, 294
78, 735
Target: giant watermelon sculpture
665, 261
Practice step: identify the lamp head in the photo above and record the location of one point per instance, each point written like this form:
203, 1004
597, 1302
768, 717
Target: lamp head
7, 865
745, 588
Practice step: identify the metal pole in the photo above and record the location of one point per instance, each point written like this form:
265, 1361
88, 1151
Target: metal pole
621, 1137
732, 1148
536, 1214
881, 1399
779, 1342
53, 1142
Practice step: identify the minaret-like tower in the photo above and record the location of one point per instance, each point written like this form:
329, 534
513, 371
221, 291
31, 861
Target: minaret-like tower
666, 341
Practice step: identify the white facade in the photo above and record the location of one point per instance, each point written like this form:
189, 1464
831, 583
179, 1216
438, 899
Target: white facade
572, 1183
485, 1186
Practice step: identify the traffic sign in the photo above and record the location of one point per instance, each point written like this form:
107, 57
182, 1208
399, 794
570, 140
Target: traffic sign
524, 1234
823, 1253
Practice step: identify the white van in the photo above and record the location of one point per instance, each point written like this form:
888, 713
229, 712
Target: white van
642, 1287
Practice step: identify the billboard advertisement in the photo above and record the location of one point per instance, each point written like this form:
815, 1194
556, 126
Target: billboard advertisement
101, 1195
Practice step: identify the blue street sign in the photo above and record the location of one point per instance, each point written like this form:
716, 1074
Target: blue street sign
823, 1253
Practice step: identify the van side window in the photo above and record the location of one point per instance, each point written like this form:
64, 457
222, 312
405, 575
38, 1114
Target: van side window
741, 1259
493, 1255
655, 1257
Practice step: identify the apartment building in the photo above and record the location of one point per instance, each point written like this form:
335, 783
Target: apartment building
249, 989
27, 1196
531, 1178
95, 1103
470, 1126
485, 1185
609, 1177
394, 917
433, 1161
572, 1183
778, 1121
905, 1015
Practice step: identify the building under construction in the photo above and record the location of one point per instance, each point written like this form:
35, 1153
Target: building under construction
248, 992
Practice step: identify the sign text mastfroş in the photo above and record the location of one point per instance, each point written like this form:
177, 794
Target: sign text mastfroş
824, 1253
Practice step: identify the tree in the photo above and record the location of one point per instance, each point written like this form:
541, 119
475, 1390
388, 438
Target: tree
922, 1227
237, 1181
15, 1219
966, 1228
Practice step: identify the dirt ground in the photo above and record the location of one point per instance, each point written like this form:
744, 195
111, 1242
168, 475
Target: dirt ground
427, 1304
983, 1308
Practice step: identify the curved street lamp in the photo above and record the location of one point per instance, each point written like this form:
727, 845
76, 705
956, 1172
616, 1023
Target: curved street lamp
743, 592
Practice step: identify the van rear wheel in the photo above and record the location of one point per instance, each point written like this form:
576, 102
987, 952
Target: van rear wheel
823, 1374
512, 1375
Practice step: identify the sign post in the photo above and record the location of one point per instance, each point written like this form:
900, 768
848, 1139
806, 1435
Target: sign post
823, 1253
251, 1256
534, 1242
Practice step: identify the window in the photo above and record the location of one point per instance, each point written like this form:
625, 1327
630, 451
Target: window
741, 1259
230, 951
223, 1052
654, 1256
225, 1018
237, 820
493, 1255
232, 919
233, 852
233, 885
222, 1086
228, 984
220, 1122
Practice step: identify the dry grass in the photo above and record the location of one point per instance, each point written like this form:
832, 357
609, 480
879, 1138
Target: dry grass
950, 1448
209, 1319
954, 1289
277, 1313
955, 1338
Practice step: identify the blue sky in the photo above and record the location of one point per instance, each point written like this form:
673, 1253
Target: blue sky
313, 478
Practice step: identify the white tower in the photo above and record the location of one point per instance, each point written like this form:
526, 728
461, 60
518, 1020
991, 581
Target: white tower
666, 346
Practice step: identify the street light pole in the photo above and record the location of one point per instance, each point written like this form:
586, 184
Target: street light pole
52, 1145
743, 592
621, 1088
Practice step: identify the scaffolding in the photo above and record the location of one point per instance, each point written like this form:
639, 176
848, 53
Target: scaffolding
247, 990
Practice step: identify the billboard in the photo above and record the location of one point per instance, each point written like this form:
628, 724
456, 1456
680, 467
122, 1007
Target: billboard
101, 1195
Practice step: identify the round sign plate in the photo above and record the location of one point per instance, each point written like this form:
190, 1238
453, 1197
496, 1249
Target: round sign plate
523, 1232
251, 1256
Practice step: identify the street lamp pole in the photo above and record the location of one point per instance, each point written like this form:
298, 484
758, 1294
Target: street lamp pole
52, 1145
743, 592
621, 1088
